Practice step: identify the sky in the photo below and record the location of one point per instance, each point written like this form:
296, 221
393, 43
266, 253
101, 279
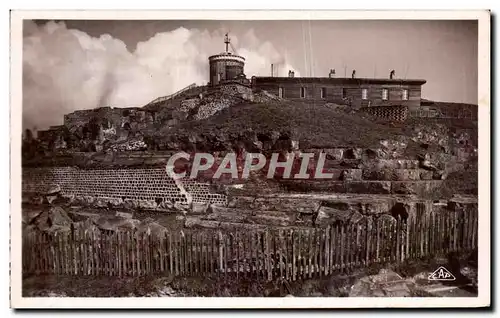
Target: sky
71, 65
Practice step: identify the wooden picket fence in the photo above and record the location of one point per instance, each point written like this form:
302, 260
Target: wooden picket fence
290, 254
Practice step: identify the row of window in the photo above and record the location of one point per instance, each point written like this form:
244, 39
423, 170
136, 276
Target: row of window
364, 93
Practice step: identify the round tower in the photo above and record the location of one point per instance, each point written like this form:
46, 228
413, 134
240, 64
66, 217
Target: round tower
225, 66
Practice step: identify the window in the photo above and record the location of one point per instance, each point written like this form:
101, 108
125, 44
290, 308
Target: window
302, 92
323, 92
404, 95
344, 92
385, 94
280, 92
364, 93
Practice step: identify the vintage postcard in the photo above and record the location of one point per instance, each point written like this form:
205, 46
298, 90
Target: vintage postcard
250, 159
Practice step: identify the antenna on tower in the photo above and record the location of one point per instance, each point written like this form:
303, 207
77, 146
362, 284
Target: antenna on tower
227, 40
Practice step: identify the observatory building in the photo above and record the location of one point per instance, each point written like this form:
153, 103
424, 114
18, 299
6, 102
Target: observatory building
227, 69
226, 66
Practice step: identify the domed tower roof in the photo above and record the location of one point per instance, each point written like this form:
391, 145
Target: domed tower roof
227, 55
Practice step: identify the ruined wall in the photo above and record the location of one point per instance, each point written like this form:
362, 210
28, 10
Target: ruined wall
110, 118
444, 110
135, 184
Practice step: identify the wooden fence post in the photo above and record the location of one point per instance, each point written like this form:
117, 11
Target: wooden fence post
268, 256
327, 250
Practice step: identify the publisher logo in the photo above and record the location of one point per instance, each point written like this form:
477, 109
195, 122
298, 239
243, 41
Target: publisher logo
441, 274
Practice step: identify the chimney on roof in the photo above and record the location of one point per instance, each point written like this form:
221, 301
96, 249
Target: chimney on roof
353, 73
291, 73
332, 73
393, 73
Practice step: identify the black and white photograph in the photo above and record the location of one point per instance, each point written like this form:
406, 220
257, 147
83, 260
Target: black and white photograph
230, 156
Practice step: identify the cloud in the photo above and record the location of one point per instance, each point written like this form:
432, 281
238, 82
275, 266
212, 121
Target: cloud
66, 69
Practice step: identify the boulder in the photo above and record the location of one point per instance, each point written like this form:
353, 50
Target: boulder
327, 216
129, 204
371, 187
439, 175
352, 175
116, 223
386, 283
29, 216
199, 208
420, 188
426, 164
365, 206
356, 217
426, 174
240, 202
386, 219
147, 204
375, 207
53, 189
51, 198
115, 202
191, 221
462, 202
151, 228
334, 154
353, 153
101, 202
221, 213
124, 215
393, 148
181, 207
56, 216
88, 200
166, 205
406, 174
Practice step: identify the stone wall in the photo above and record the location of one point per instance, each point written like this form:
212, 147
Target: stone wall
445, 111
210, 108
392, 113
135, 184
237, 90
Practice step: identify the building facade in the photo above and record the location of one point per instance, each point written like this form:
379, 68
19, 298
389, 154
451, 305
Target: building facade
357, 92
225, 67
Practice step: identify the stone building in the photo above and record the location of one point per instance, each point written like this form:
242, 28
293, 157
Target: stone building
226, 67
357, 92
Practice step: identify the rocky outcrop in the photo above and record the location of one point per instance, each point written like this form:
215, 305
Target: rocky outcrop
53, 220
386, 283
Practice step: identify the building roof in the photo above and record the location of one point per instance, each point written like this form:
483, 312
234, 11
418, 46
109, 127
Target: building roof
226, 55
339, 80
